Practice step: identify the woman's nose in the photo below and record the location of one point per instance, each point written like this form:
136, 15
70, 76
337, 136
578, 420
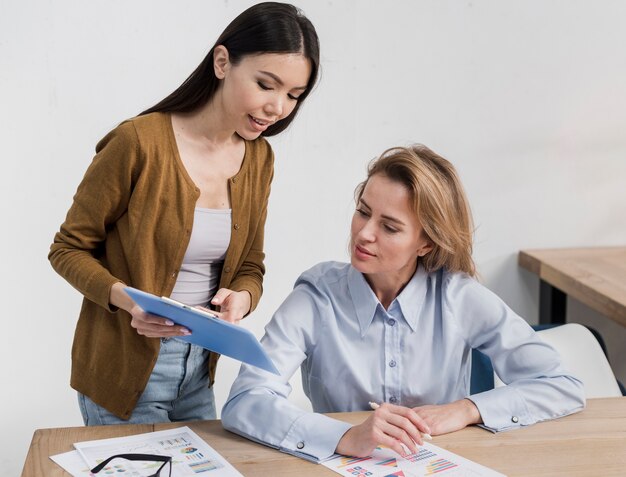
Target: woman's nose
275, 107
367, 232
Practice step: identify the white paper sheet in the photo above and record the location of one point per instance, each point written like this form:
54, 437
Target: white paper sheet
429, 460
190, 455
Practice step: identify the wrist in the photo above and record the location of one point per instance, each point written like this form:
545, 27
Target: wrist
248, 298
119, 298
471, 412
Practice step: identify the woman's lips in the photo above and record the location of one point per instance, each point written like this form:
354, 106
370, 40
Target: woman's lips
363, 252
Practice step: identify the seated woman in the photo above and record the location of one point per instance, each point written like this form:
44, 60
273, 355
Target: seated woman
396, 326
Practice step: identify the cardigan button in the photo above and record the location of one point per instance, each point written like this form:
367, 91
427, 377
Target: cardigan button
227, 269
236, 226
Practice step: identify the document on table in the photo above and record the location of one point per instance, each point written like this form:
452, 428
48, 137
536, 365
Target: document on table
190, 455
429, 460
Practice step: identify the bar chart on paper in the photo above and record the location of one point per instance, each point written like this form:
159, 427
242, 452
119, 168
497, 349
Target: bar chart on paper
190, 455
428, 460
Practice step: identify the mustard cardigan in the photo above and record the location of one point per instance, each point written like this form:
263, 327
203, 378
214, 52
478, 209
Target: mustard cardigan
131, 221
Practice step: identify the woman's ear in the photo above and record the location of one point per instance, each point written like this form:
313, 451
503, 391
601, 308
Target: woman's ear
425, 248
221, 61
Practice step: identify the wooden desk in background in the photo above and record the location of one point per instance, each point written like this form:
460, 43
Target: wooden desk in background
593, 276
589, 443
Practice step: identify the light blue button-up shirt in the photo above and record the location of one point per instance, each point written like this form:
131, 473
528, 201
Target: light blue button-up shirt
352, 351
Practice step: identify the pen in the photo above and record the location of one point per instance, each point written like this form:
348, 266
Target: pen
375, 405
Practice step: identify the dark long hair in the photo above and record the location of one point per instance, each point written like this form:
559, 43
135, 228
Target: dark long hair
268, 27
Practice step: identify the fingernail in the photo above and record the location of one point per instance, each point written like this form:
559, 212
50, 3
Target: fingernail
186, 332
169, 323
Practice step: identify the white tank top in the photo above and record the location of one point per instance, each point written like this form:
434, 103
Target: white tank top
200, 272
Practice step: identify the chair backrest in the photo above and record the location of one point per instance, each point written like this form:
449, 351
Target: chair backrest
583, 357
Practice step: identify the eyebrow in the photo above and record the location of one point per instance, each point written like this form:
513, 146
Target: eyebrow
386, 217
278, 80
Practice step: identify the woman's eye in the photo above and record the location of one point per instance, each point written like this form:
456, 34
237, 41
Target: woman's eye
390, 229
293, 98
362, 213
263, 86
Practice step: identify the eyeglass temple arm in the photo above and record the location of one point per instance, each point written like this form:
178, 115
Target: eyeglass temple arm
153, 457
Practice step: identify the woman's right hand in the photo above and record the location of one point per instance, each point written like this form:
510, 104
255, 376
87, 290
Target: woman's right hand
154, 326
146, 324
396, 427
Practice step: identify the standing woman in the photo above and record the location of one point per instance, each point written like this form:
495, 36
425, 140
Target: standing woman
174, 203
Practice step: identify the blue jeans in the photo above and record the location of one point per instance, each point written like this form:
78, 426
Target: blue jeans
176, 391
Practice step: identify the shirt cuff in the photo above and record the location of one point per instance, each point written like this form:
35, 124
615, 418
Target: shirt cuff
314, 437
502, 409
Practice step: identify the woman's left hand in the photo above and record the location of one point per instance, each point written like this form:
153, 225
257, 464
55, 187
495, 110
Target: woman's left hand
233, 305
445, 418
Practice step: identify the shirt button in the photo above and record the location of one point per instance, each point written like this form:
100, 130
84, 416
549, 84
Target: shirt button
393, 399
236, 226
391, 322
515, 419
300, 445
392, 363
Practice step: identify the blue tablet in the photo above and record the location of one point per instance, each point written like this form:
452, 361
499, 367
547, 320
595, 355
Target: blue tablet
207, 330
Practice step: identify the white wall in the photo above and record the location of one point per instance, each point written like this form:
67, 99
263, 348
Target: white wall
527, 98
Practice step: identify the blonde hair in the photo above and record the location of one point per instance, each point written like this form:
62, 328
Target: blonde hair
439, 202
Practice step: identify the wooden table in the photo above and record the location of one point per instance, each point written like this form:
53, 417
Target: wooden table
593, 276
589, 443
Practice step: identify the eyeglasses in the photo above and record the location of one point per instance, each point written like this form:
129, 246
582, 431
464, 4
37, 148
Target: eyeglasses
166, 459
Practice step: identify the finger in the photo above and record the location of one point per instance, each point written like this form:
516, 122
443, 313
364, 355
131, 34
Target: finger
162, 334
157, 334
220, 296
157, 320
141, 316
394, 444
404, 418
157, 329
230, 316
207, 310
419, 421
405, 423
399, 434
411, 414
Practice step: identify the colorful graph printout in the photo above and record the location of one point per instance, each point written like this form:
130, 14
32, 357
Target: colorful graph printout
439, 465
191, 455
429, 460
388, 462
344, 461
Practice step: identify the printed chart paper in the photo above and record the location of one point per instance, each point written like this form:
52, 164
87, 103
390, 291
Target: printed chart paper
190, 455
73, 463
429, 460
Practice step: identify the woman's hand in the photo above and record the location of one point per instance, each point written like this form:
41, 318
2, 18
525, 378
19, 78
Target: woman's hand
233, 305
392, 426
155, 326
449, 417
146, 324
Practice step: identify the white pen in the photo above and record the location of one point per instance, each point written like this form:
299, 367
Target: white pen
375, 405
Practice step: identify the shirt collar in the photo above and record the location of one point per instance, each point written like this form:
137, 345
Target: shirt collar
410, 300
